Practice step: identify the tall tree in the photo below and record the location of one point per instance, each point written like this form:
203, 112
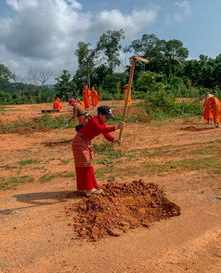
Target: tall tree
85, 56
65, 86
166, 56
5, 74
109, 45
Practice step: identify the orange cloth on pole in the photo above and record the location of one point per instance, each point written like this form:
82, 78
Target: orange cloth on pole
57, 105
86, 97
212, 110
126, 90
94, 98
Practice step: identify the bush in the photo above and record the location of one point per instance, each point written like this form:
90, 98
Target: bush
148, 82
161, 105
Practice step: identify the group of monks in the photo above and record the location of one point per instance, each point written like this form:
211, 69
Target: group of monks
212, 110
91, 97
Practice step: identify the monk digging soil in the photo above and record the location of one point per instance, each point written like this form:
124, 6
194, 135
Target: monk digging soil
120, 208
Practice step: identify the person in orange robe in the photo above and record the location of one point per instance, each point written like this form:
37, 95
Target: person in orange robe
57, 105
86, 96
94, 97
212, 110
126, 90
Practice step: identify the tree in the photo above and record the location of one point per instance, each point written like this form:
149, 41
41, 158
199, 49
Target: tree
85, 56
146, 46
5, 74
109, 45
174, 55
65, 85
165, 57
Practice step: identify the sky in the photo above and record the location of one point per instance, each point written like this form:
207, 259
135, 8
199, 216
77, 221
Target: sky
42, 35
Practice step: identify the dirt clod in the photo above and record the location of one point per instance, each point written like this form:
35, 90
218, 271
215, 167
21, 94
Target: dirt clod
121, 207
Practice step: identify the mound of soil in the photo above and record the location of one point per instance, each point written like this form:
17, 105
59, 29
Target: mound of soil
120, 208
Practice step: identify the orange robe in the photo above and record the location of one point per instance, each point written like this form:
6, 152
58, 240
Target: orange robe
57, 105
94, 98
212, 110
87, 98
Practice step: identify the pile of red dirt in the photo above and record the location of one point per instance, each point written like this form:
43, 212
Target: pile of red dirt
121, 207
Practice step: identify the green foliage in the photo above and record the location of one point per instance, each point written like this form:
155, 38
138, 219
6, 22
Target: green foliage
64, 86
149, 82
160, 105
5, 74
109, 45
86, 66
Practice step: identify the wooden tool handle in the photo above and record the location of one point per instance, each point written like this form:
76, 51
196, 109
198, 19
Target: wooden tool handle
125, 113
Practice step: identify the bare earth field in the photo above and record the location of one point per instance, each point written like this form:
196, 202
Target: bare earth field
37, 184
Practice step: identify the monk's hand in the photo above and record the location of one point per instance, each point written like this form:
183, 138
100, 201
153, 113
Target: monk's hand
120, 125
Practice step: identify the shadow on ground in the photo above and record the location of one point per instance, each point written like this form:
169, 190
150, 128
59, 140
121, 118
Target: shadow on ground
37, 199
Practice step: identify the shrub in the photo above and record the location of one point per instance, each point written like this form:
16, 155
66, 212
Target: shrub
161, 105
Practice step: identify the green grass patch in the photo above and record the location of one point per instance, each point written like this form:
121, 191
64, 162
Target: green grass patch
47, 177
51, 176
26, 162
14, 181
65, 161
108, 151
45, 122
101, 173
211, 165
68, 174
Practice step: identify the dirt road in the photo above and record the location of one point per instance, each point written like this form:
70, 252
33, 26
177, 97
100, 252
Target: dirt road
183, 157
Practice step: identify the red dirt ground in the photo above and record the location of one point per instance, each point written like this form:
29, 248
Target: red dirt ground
36, 236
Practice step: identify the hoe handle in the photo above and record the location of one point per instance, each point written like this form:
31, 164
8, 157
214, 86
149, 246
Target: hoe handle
125, 113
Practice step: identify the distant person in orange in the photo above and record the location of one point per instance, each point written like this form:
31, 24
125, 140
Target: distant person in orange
212, 110
94, 97
126, 90
57, 105
86, 96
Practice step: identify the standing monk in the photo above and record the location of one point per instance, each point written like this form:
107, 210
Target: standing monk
212, 110
86, 180
94, 97
86, 96
57, 105
126, 90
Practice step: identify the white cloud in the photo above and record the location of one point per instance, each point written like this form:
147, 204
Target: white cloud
183, 10
131, 23
43, 34
19, 5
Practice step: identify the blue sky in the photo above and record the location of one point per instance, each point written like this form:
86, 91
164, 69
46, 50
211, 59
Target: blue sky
43, 34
